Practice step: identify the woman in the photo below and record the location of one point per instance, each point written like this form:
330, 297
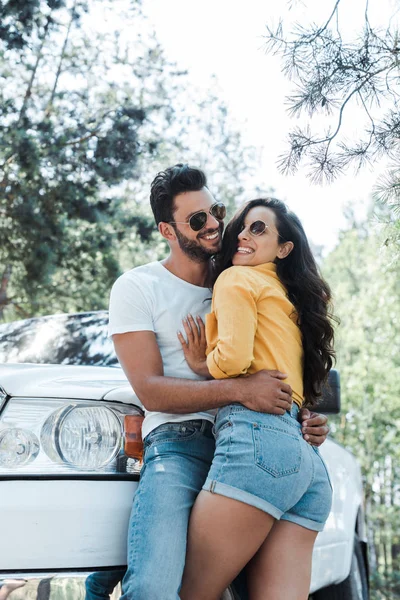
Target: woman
268, 492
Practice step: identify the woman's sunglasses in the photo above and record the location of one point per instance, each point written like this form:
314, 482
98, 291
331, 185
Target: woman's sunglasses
198, 220
256, 228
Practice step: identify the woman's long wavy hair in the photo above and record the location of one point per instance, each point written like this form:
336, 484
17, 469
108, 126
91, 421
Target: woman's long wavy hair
307, 291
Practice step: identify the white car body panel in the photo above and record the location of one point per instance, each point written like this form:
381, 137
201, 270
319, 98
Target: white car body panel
334, 545
123, 394
60, 381
64, 524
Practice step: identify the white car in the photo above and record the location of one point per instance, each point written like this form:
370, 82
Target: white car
66, 485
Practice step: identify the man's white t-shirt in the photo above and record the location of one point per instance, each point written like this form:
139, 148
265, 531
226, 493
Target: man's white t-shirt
151, 298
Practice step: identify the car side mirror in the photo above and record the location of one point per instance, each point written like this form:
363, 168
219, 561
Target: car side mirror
330, 401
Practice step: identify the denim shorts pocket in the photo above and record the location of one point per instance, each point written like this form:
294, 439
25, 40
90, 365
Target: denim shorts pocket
276, 451
324, 465
172, 432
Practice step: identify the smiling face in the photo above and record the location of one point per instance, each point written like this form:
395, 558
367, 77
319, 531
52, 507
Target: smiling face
257, 250
198, 245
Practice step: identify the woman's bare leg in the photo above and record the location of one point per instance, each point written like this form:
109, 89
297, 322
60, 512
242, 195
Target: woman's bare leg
281, 569
223, 535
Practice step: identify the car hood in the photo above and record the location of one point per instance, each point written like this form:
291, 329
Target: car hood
66, 381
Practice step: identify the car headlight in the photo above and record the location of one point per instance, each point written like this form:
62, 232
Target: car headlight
17, 447
50, 436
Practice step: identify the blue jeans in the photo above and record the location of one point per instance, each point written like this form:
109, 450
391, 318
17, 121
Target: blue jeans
100, 585
177, 458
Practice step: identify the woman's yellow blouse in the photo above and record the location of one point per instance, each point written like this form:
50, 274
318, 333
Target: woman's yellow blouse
253, 326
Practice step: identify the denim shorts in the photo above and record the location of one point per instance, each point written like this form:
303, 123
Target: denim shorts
263, 460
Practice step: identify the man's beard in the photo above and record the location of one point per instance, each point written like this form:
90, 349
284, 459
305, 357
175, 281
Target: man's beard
193, 249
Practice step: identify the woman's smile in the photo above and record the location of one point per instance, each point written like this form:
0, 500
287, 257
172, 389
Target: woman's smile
244, 250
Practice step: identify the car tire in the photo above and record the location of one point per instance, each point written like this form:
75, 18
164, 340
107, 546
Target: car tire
355, 586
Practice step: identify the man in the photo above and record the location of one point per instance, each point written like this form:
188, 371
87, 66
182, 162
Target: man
147, 306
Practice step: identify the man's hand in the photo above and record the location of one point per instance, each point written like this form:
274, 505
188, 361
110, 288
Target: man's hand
266, 392
314, 427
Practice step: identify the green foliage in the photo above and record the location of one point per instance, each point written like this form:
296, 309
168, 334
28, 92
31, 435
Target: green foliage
366, 287
69, 136
19, 18
90, 113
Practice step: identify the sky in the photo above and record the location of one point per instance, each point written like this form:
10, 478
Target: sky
225, 38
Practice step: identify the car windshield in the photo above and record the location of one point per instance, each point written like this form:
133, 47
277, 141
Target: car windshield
79, 339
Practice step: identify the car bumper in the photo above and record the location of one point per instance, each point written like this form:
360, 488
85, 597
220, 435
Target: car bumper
82, 585
62, 525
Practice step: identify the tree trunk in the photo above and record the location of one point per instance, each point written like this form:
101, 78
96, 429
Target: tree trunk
4, 300
32, 79
53, 91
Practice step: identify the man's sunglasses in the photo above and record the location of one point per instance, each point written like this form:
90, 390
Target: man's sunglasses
198, 220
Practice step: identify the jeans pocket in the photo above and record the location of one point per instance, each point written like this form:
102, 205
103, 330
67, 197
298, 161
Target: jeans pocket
172, 432
276, 451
